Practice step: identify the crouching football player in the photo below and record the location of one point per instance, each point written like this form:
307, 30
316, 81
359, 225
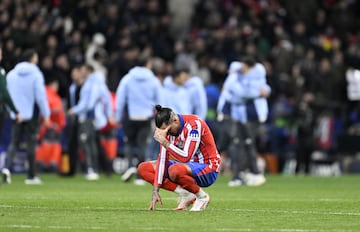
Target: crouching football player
188, 159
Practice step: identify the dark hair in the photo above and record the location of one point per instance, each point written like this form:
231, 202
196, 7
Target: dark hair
163, 115
89, 67
142, 61
248, 60
28, 54
178, 71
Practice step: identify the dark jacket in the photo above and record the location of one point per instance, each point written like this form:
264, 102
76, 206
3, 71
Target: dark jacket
5, 99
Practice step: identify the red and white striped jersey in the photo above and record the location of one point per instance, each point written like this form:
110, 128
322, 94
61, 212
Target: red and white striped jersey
195, 143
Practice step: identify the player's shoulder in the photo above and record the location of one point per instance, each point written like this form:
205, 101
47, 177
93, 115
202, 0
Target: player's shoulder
260, 67
193, 120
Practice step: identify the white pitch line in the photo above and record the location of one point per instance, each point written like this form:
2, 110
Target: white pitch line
350, 213
51, 227
276, 230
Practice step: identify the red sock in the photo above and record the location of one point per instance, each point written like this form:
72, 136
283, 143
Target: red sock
180, 175
147, 172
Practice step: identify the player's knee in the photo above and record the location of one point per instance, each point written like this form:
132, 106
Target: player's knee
144, 169
176, 170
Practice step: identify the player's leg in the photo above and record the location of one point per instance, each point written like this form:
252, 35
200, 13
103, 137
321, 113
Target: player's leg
16, 134
191, 176
146, 171
255, 177
130, 134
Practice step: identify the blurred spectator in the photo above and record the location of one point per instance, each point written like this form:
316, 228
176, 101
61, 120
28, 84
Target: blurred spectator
85, 111
320, 37
27, 89
72, 127
137, 94
5, 98
246, 90
48, 153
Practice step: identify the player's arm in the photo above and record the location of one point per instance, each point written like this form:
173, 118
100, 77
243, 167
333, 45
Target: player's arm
161, 164
192, 142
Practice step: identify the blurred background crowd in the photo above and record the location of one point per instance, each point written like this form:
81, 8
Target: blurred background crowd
310, 50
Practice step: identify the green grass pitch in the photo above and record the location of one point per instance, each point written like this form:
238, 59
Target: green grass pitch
294, 204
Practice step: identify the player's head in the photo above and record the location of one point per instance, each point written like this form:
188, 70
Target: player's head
30, 55
180, 76
247, 63
166, 117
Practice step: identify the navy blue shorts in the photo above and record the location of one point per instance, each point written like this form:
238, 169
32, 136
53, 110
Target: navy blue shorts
202, 173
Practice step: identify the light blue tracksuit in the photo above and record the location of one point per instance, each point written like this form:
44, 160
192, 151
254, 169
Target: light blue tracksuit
176, 97
26, 86
103, 109
140, 90
197, 94
90, 95
241, 88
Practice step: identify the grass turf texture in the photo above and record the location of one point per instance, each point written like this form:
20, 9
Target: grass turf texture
293, 204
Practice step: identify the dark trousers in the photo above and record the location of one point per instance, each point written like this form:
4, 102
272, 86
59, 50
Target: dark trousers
225, 132
87, 143
243, 149
104, 163
136, 135
2, 116
73, 147
28, 129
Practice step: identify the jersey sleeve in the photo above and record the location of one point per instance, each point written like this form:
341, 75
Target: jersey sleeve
161, 166
192, 141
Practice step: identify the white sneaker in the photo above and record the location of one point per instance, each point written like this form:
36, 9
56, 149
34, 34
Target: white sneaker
139, 182
255, 180
185, 200
92, 176
128, 174
235, 183
6, 176
201, 203
34, 181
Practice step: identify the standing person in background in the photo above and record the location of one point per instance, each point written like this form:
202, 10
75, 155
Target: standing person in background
196, 91
225, 124
247, 92
5, 99
73, 125
48, 153
27, 89
85, 111
104, 123
137, 93
176, 95
188, 159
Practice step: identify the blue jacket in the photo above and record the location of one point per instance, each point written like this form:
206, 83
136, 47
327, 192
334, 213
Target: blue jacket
139, 90
90, 94
103, 109
26, 86
197, 94
177, 97
243, 88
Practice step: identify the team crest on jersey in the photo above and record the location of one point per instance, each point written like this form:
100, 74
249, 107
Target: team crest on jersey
194, 134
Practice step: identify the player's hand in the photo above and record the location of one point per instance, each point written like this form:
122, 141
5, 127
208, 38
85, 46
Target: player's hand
160, 135
155, 198
264, 92
18, 118
47, 122
70, 112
